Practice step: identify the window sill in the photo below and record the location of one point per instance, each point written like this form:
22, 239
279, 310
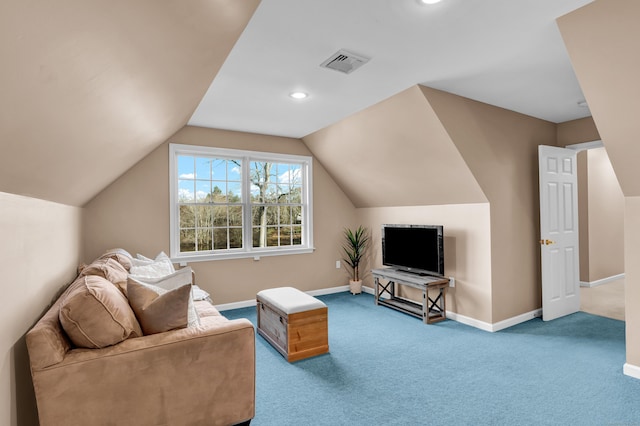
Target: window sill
255, 254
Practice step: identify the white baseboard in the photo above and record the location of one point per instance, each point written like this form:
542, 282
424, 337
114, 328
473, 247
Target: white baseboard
469, 321
249, 303
510, 322
601, 281
631, 370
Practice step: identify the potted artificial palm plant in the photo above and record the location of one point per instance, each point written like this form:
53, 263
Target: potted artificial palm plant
356, 243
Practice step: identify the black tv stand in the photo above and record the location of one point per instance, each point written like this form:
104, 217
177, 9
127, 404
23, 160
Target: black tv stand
431, 310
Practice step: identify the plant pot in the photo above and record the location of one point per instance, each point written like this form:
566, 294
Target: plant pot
355, 287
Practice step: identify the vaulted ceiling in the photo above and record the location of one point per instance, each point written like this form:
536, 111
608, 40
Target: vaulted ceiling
87, 89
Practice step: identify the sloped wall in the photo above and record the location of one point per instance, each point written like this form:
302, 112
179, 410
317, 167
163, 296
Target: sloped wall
133, 213
89, 88
395, 153
601, 39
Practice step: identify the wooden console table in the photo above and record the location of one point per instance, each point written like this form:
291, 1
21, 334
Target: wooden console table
431, 310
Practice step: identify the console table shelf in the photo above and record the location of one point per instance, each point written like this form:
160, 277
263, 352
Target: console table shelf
431, 310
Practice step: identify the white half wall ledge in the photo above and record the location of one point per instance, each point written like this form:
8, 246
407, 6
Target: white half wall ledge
631, 370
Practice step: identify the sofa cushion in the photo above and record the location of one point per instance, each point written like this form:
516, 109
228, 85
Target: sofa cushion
157, 311
95, 314
119, 255
109, 269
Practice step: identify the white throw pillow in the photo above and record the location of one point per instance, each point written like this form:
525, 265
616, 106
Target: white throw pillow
152, 268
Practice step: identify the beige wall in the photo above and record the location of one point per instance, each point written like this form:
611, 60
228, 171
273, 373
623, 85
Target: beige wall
601, 39
577, 131
583, 214
606, 218
39, 254
601, 217
467, 237
500, 147
133, 213
632, 278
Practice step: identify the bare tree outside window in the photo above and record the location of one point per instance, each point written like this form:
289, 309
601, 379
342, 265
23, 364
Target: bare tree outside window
211, 206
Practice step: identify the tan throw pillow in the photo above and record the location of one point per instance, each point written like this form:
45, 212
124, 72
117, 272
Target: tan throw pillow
158, 313
95, 314
109, 269
169, 282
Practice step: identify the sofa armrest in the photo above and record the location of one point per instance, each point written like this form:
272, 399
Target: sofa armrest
197, 375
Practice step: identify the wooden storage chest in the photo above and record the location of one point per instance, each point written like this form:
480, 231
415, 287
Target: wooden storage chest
293, 322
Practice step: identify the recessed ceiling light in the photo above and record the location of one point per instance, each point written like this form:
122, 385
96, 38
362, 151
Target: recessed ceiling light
298, 95
429, 1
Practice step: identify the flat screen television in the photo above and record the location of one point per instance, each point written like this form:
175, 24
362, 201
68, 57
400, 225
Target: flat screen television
414, 248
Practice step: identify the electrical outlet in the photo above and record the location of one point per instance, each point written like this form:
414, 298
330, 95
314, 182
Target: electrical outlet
337, 264
452, 282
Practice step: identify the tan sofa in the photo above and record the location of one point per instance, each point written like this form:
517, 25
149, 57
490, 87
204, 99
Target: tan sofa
198, 375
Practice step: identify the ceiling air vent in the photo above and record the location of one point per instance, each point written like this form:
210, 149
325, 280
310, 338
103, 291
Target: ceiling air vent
344, 61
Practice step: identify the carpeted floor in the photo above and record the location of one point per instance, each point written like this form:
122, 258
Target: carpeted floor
388, 368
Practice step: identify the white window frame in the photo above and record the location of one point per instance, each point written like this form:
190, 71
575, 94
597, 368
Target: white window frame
248, 250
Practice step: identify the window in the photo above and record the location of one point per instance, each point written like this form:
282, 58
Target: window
229, 203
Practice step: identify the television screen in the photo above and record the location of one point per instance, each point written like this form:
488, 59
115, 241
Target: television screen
414, 248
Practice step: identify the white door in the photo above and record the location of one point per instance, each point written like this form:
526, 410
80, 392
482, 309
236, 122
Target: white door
559, 232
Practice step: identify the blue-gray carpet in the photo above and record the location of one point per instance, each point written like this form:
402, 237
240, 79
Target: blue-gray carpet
388, 368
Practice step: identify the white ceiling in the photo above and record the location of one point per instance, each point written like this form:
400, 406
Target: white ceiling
507, 53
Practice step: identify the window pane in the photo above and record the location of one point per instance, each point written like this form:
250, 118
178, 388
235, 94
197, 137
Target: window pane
220, 239
204, 238
234, 192
203, 168
186, 167
186, 191
272, 236
203, 191
297, 235
220, 216
285, 215
257, 215
257, 237
296, 215
234, 170
203, 216
219, 169
219, 191
295, 196
187, 217
285, 236
187, 240
271, 193
235, 215
235, 237
295, 174
272, 215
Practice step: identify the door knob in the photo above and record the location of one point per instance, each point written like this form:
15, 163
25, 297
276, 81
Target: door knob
546, 242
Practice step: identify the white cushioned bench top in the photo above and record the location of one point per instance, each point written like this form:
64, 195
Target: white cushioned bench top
289, 300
